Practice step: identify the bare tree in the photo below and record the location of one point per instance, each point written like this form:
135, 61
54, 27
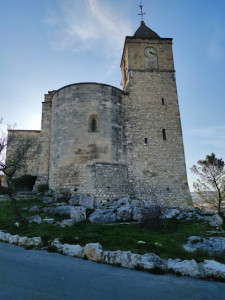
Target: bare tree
20, 152
211, 182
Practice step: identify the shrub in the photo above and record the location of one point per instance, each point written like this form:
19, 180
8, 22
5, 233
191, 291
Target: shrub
152, 217
41, 188
64, 194
23, 183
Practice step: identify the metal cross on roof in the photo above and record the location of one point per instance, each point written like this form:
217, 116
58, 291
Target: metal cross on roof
141, 14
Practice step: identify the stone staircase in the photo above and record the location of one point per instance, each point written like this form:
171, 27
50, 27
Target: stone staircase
20, 196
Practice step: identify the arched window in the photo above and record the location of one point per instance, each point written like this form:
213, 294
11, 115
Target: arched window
93, 123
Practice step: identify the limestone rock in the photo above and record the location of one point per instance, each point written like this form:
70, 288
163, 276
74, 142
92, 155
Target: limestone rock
125, 212
212, 268
137, 213
184, 267
48, 220
123, 201
78, 213
171, 213
73, 250
93, 251
35, 208
25, 241
151, 261
59, 210
4, 237
122, 258
13, 239
82, 200
34, 219
68, 222
215, 220
57, 244
137, 203
213, 245
60, 204
102, 216
48, 200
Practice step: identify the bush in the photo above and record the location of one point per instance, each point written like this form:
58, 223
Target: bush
63, 194
152, 217
42, 188
23, 183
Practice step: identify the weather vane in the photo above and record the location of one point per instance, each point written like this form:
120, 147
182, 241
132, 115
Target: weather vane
141, 14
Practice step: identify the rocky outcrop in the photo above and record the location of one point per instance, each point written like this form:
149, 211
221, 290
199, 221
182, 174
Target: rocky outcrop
151, 261
47, 200
73, 250
13, 239
34, 219
82, 200
184, 267
67, 222
215, 220
103, 216
124, 209
4, 237
125, 212
78, 213
213, 269
35, 209
59, 210
93, 251
212, 245
25, 241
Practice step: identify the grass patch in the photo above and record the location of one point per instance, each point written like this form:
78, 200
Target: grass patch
166, 242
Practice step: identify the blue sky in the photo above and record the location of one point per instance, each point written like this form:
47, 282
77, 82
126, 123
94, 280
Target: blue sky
46, 44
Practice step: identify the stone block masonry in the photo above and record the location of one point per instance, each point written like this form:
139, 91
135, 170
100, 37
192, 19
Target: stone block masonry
105, 181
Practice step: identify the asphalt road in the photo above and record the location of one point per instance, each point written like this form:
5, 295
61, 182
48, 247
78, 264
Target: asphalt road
33, 274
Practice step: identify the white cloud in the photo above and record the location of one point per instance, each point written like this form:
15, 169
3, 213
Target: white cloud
51, 19
88, 25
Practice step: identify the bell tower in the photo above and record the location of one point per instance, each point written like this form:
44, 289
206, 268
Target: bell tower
153, 136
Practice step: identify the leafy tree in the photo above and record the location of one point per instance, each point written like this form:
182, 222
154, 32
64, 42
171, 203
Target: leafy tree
211, 182
21, 150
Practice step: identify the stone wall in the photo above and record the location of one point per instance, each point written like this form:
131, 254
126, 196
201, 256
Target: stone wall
44, 156
110, 181
16, 140
105, 181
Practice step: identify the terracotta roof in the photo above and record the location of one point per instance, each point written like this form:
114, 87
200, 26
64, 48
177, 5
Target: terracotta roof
145, 31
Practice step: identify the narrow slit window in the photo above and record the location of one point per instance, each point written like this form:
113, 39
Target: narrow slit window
163, 101
93, 125
146, 141
164, 134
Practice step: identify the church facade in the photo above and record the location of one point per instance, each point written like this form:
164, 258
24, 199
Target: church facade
97, 139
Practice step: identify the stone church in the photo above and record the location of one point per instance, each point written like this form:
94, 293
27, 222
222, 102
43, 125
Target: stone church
100, 140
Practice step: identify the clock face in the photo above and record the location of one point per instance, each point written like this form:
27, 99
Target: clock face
150, 52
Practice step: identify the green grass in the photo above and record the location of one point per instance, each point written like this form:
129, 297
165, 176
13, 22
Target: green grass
167, 242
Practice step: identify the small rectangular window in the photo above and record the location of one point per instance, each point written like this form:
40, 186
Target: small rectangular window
164, 134
146, 141
163, 102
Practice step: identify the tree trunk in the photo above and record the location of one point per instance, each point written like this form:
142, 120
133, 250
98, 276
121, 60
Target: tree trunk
219, 204
15, 209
